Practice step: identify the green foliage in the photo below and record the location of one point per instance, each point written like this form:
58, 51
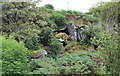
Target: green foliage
33, 44
105, 10
19, 19
107, 36
91, 18
81, 63
14, 57
55, 47
44, 66
7, 6
108, 46
45, 35
74, 12
29, 23
59, 19
75, 64
0, 57
50, 23
49, 6
87, 33
36, 25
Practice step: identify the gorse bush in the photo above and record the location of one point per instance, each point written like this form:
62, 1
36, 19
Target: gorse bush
14, 57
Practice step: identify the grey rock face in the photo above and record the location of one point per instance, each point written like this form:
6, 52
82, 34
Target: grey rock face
74, 32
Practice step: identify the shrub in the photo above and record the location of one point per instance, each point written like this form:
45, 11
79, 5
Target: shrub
44, 66
45, 35
49, 6
0, 67
87, 33
59, 19
107, 37
14, 57
108, 46
33, 44
55, 47
82, 63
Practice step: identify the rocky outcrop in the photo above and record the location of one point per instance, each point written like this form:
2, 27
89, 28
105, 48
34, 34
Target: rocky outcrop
72, 31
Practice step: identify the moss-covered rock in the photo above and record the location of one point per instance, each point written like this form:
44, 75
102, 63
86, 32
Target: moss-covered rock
38, 54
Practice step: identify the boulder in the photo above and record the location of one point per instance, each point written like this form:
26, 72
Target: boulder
38, 54
62, 36
74, 32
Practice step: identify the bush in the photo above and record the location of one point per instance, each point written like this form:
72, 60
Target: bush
33, 44
82, 63
108, 48
87, 33
14, 57
59, 19
49, 6
44, 66
55, 47
45, 35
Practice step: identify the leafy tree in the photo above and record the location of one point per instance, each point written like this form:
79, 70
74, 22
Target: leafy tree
26, 21
17, 19
59, 20
106, 11
108, 48
49, 6
107, 36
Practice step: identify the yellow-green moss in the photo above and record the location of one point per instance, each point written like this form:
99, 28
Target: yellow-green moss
63, 36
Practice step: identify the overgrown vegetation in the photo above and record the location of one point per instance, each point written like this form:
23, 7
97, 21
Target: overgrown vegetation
14, 57
27, 28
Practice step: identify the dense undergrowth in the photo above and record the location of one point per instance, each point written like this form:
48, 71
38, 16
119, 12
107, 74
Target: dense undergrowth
27, 28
